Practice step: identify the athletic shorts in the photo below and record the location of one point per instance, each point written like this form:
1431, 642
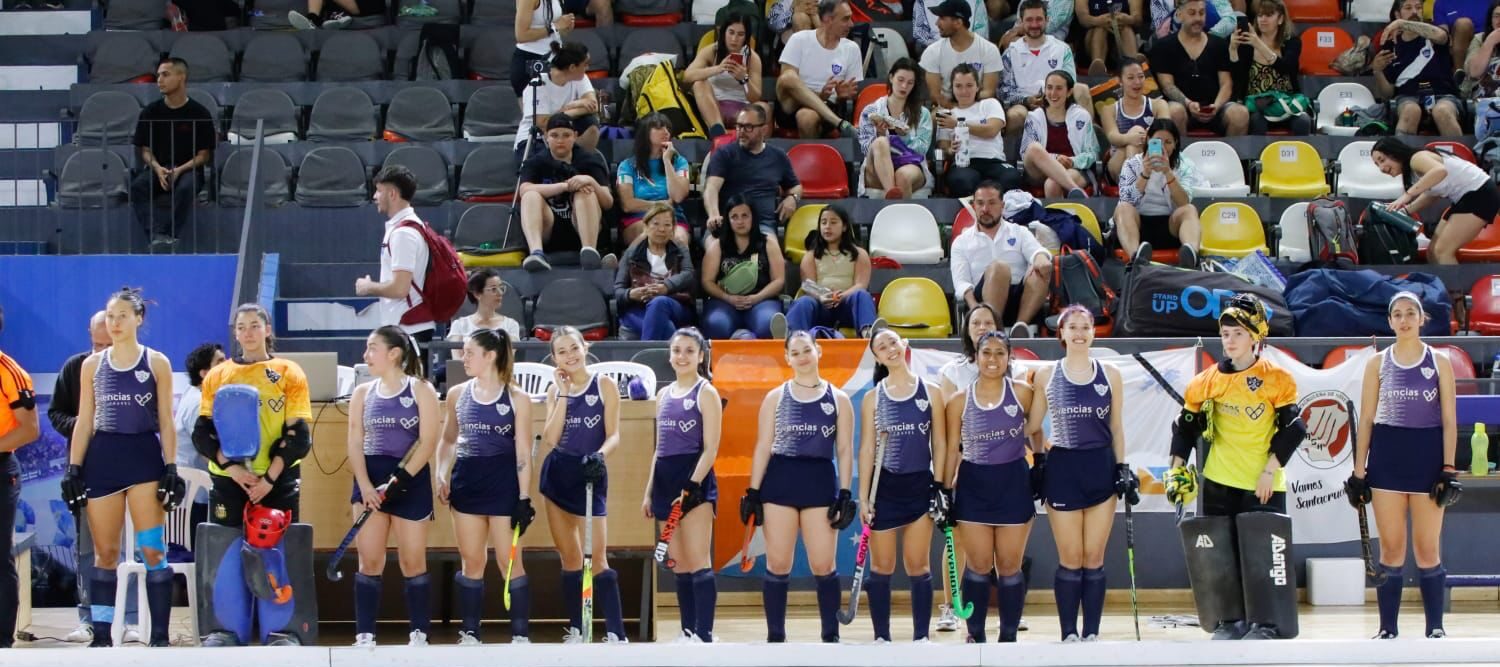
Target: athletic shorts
485, 485
1221, 500
1216, 124
414, 503
562, 484
799, 482
901, 498
1012, 302
993, 495
227, 499
670, 474
1157, 230
788, 121
1404, 460
1427, 102
115, 462
1078, 479
1483, 201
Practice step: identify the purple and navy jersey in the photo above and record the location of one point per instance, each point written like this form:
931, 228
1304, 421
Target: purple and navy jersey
679, 422
392, 423
485, 429
807, 429
1409, 394
907, 423
1080, 413
583, 430
993, 435
125, 398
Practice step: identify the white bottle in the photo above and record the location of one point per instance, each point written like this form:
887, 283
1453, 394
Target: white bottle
961, 144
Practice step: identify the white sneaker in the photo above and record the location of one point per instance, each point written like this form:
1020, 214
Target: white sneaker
364, 640
1021, 625
132, 634
879, 640
687, 637
573, 636
946, 622
466, 638
612, 638
923, 640
1070, 639
1091, 638
418, 638
82, 634
522, 639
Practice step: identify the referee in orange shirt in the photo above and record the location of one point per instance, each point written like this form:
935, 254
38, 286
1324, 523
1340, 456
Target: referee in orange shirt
18, 426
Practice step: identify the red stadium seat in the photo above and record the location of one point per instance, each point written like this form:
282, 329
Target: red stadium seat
962, 221
871, 93
1320, 46
1314, 11
653, 20
1453, 147
821, 170
1337, 355
1484, 313
1484, 248
1463, 369
1023, 354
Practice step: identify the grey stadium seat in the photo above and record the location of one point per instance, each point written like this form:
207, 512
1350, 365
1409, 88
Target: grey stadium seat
600, 59
488, 174
209, 59
119, 57
430, 169
420, 114
272, 175
203, 97
648, 7
648, 40
332, 176
489, 224
344, 113
490, 51
107, 117
448, 11
91, 178
135, 15
271, 14
492, 12
351, 56
273, 57
274, 106
573, 302
493, 114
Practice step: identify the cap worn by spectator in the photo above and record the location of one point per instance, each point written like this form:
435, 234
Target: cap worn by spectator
560, 120
954, 9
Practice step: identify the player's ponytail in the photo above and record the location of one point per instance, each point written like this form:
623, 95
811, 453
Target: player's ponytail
132, 296
497, 341
411, 355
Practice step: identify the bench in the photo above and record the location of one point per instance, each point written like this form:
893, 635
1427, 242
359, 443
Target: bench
1466, 581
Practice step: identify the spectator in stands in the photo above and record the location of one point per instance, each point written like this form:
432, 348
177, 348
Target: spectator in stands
403, 257
1412, 68
1103, 19
568, 183
18, 427
654, 282
199, 361
1058, 144
487, 293
1125, 124
1483, 68
642, 187
835, 280
985, 148
754, 169
958, 45
743, 276
1192, 68
725, 75
1000, 263
174, 137
1156, 200
1265, 61
819, 70
566, 92
339, 16
926, 29
1429, 176
1026, 58
1221, 20
788, 17
1056, 19
539, 25
895, 132
602, 11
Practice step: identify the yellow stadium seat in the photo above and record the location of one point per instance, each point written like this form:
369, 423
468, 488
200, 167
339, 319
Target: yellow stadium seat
802, 222
1084, 213
1292, 169
500, 259
916, 308
1231, 229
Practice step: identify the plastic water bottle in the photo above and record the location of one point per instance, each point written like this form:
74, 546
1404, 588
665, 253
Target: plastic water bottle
1495, 368
1479, 452
961, 144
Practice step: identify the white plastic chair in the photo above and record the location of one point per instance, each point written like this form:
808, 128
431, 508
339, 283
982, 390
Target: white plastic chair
1359, 177
1370, 11
1334, 99
1294, 245
1219, 164
623, 371
891, 44
176, 530
535, 379
906, 233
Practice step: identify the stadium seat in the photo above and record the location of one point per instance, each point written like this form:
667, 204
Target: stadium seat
1485, 248
638, 41
489, 235
272, 14
1219, 164
272, 57
342, 113
892, 47
1291, 169
659, 360
1463, 369
1293, 244
1086, 216
575, 302
1359, 177
1453, 148
1320, 46
430, 169
488, 56
1333, 99
534, 378
122, 58
1231, 229
202, 96
962, 221
108, 118
332, 176
622, 372
493, 114
1337, 355
906, 233
492, 12
135, 14
803, 222
600, 64
916, 307
1370, 11
419, 114
705, 12
351, 56
649, 13
1023, 353
210, 60
274, 106
272, 174
821, 170
1484, 309
445, 11
92, 178
871, 93
1314, 11
488, 175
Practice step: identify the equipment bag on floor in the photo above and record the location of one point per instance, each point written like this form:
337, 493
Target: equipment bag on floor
1160, 300
1328, 302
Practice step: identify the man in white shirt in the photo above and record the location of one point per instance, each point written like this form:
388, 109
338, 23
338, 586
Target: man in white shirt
819, 68
924, 28
403, 257
959, 45
1001, 263
1028, 55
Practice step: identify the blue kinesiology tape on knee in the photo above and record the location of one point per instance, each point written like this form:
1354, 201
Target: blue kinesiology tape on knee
237, 420
155, 539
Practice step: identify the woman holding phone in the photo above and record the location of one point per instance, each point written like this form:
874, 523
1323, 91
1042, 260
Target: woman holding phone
1156, 193
725, 75
1264, 58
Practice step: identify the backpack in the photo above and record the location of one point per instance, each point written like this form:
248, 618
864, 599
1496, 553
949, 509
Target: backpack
437, 54
445, 284
1330, 234
654, 89
1388, 238
1076, 279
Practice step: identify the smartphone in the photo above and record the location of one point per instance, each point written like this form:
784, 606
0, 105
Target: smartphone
1242, 23
1153, 147
737, 58
1206, 108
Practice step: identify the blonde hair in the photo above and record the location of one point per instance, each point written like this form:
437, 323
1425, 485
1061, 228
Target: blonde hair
657, 209
1268, 7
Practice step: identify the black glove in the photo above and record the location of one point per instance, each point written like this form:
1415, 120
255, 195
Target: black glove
1039, 476
399, 483
74, 493
522, 516
593, 468
1447, 489
1127, 485
1358, 491
751, 507
843, 511
171, 488
939, 504
692, 496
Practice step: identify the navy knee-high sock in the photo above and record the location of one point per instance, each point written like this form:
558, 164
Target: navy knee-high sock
470, 601
1432, 583
607, 589
976, 590
878, 589
773, 598
705, 597
418, 592
520, 607
1388, 597
828, 605
102, 590
685, 601
1093, 599
366, 602
1067, 588
1012, 600
159, 602
921, 605
572, 590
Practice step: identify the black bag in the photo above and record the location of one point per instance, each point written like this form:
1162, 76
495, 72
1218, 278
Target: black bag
1331, 234
1388, 238
437, 54
1160, 300
1076, 279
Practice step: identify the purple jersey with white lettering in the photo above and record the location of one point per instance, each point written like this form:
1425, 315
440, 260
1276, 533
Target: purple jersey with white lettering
679, 422
583, 430
907, 424
1409, 394
993, 435
125, 399
392, 423
806, 428
1080, 412
485, 429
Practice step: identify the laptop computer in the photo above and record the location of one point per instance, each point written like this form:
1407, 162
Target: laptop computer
322, 371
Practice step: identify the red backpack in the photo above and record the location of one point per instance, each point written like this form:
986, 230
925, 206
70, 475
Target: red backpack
445, 285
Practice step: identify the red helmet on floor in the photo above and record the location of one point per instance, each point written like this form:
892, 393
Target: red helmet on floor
264, 526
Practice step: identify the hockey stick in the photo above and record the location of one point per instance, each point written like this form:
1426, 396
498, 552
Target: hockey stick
588, 563
667, 530
515, 531
1177, 507
1376, 574
747, 562
862, 555
333, 573
1135, 609
961, 609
